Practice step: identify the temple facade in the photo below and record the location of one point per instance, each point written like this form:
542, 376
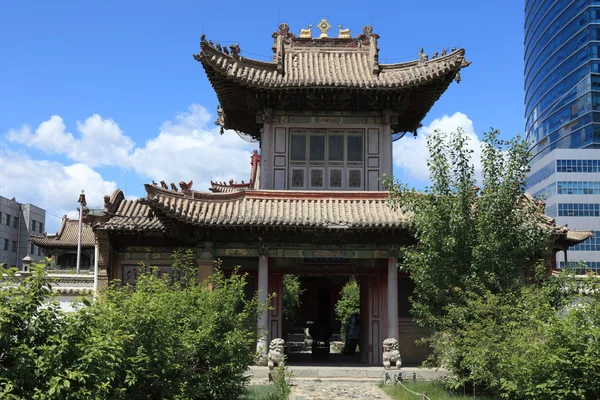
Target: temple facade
324, 113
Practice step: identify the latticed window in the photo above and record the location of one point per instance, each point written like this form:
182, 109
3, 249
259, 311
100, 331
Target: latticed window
336, 148
335, 178
320, 158
317, 148
354, 178
298, 148
316, 178
355, 147
297, 177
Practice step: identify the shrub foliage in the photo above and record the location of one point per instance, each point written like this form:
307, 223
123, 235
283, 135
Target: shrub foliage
156, 340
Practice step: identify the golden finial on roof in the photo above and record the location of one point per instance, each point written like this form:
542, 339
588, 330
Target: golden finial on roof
323, 27
306, 33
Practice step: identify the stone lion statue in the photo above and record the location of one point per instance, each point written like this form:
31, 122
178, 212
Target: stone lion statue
391, 354
275, 356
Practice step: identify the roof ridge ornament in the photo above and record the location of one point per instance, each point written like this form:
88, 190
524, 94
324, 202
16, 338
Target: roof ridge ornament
306, 33
220, 118
344, 33
324, 27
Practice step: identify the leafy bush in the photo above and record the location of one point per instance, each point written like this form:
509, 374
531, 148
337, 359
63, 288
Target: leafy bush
281, 382
348, 305
539, 343
46, 353
186, 342
154, 340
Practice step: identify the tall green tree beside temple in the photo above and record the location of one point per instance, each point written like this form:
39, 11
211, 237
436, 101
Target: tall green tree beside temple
470, 240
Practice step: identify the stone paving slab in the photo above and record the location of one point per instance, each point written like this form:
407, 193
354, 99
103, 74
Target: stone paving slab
341, 390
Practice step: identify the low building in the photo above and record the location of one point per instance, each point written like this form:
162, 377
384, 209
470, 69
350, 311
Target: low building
18, 222
61, 248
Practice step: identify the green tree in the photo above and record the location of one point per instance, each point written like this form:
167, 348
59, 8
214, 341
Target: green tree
187, 342
348, 305
476, 249
470, 241
292, 290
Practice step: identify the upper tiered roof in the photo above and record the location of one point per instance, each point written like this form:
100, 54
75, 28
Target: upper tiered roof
325, 74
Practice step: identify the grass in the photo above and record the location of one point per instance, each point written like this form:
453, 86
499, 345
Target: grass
258, 392
435, 391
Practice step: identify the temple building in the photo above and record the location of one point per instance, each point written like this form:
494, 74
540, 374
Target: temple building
324, 112
61, 248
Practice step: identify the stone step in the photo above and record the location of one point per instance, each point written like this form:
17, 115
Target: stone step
336, 373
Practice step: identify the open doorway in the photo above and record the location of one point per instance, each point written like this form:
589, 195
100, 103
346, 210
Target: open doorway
314, 332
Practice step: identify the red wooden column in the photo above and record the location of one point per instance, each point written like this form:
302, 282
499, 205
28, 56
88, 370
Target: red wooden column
392, 298
263, 319
363, 335
103, 261
275, 314
205, 258
373, 317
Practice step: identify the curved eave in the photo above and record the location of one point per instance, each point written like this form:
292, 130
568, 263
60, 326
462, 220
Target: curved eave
132, 217
572, 237
354, 75
234, 78
348, 211
45, 242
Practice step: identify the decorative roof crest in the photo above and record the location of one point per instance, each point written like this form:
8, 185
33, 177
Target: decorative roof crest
323, 27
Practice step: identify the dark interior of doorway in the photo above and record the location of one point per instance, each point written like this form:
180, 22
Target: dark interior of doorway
313, 333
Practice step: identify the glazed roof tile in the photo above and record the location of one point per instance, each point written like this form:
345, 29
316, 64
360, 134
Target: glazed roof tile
134, 216
67, 236
329, 210
335, 68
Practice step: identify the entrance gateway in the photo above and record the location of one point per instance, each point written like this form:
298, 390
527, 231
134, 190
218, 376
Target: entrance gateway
324, 113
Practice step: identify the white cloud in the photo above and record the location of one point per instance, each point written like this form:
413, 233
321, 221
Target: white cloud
102, 142
50, 185
411, 154
191, 149
188, 148
50, 136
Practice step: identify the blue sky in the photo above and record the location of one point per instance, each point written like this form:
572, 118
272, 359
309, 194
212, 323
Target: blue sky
105, 94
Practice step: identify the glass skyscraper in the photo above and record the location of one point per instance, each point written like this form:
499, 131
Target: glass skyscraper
562, 114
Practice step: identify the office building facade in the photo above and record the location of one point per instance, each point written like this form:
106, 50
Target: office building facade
17, 222
562, 114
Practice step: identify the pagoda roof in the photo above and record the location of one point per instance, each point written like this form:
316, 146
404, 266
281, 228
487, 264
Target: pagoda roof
278, 208
66, 236
329, 67
281, 209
